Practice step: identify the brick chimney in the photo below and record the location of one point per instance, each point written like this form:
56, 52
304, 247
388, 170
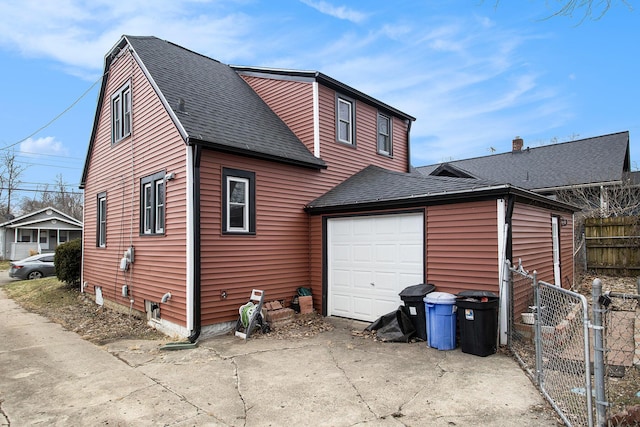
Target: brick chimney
517, 143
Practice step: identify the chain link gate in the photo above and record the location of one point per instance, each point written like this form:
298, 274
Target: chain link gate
549, 336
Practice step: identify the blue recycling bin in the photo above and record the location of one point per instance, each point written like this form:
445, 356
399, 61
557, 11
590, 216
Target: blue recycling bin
440, 313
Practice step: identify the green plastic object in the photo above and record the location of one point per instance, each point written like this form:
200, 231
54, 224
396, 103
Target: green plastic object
304, 292
246, 311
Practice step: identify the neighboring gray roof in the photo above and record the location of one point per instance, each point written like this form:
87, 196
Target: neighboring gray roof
220, 110
375, 186
41, 215
600, 159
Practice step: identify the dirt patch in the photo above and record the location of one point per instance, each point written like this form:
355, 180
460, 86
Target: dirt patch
66, 306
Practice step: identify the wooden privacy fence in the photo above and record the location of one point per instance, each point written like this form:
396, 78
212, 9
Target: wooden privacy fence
613, 245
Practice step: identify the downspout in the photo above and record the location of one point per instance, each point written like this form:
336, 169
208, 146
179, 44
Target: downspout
195, 217
508, 220
408, 145
505, 252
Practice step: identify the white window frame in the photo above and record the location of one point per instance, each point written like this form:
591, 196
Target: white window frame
159, 206
102, 221
146, 208
152, 210
121, 113
244, 204
349, 121
387, 151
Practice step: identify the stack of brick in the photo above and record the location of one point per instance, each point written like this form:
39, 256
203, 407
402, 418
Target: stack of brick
306, 304
277, 314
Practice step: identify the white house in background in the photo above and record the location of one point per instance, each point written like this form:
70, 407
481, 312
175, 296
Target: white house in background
37, 232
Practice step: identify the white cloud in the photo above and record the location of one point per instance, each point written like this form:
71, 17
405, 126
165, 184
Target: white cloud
340, 12
47, 146
78, 34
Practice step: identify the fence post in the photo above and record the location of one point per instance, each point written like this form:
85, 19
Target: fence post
598, 355
537, 327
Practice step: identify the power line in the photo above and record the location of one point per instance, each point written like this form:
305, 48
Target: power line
56, 117
31, 190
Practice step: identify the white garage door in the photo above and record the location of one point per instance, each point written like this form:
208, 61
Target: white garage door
371, 259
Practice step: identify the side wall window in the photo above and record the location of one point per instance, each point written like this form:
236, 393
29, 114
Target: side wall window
121, 113
152, 204
239, 201
345, 120
384, 135
101, 226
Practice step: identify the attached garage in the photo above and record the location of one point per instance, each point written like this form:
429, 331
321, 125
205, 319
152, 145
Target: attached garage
370, 260
381, 231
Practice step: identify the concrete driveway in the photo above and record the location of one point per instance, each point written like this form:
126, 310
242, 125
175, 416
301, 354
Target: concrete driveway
50, 376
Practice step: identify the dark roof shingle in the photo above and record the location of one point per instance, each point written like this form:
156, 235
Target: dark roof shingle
220, 108
593, 160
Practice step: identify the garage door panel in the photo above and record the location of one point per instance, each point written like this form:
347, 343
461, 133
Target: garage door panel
361, 253
385, 250
386, 253
342, 305
410, 254
362, 307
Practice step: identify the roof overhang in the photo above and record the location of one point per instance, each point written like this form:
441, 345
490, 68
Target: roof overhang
431, 199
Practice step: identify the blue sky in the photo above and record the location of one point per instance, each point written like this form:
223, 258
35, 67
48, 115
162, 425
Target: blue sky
474, 73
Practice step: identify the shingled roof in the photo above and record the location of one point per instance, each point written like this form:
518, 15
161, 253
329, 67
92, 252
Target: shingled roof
601, 159
211, 104
376, 187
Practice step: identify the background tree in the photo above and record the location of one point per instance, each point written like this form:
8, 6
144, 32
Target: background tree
592, 9
10, 172
57, 196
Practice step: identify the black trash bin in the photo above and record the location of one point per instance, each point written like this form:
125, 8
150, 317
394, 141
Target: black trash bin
412, 297
478, 322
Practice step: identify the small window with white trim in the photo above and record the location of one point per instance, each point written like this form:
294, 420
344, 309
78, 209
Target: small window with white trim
384, 135
121, 113
238, 193
101, 234
152, 209
345, 120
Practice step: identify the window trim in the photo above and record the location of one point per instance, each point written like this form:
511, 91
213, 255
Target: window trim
352, 117
149, 205
229, 175
121, 113
389, 135
101, 220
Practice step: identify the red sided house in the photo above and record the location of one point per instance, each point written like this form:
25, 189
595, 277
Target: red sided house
204, 181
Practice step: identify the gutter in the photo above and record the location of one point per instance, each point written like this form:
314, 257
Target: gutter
441, 198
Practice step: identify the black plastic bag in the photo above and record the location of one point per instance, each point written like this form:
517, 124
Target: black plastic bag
393, 327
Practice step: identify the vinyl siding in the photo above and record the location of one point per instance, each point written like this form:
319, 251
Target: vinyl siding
533, 245
276, 258
154, 146
293, 102
462, 246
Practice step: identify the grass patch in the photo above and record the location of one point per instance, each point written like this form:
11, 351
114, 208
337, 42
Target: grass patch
45, 293
4, 265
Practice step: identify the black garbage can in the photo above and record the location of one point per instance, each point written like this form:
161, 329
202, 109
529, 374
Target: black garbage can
412, 297
478, 322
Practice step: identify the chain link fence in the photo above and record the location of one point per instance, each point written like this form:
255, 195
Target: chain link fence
549, 336
621, 344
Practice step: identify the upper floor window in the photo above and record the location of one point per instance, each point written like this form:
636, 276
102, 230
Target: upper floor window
121, 113
153, 204
384, 135
101, 234
239, 201
346, 120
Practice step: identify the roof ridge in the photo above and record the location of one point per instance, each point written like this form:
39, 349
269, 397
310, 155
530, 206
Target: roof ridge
526, 149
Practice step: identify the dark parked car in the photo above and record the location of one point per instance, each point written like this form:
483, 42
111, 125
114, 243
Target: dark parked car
33, 267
